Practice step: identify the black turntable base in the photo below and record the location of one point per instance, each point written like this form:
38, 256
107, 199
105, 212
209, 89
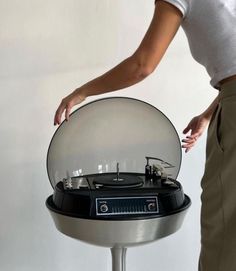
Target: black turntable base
133, 195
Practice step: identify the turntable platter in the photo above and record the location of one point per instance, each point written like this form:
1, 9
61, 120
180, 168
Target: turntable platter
122, 181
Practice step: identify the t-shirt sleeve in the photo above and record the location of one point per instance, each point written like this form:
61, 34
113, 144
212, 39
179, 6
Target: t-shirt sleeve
181, 5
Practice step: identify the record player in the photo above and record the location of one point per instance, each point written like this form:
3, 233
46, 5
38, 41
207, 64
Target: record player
113, 167
119, 195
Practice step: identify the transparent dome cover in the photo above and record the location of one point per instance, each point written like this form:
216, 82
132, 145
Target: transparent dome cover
113, 130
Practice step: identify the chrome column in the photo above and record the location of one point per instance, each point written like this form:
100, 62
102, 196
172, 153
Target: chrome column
118, 258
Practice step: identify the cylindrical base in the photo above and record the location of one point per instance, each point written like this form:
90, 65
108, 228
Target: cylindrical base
118, 258
118, 233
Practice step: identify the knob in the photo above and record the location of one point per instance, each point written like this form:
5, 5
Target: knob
151, 206
103, 208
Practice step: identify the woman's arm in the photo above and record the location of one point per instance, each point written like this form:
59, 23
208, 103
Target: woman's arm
164, 25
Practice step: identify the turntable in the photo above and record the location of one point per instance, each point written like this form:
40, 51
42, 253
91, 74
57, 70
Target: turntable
113, 167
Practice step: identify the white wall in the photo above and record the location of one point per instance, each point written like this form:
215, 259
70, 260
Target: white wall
47, 48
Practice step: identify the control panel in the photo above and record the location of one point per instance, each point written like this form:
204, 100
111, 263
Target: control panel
126, 205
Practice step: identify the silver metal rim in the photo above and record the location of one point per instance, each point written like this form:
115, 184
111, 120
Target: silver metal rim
121, 233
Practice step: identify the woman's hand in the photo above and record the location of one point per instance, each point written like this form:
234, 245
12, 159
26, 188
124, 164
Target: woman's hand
197, 126
66, 104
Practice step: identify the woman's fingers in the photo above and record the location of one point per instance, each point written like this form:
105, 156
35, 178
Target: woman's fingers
186, 130
66, 105
189, 145
58, 114
194, 135
187, 150
62, 107
190, 126
68, 109
189, 142
189, 139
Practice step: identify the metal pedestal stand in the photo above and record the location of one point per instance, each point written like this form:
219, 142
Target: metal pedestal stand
120, 234
118, 258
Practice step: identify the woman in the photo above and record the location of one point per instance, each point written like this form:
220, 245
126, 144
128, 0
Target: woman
211, 32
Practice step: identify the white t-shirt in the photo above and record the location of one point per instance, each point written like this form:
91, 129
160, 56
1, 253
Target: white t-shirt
210, 26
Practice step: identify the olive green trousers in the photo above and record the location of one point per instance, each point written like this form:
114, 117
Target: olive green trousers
218, 211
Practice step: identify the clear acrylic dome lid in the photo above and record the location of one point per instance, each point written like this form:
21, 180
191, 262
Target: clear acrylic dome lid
113, 130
